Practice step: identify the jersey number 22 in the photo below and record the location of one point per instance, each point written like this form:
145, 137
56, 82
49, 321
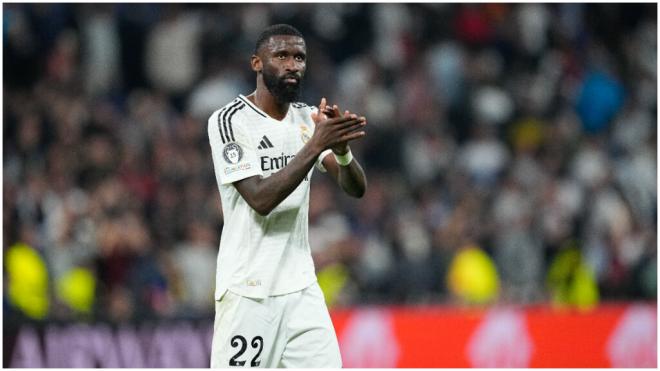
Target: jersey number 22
239, 340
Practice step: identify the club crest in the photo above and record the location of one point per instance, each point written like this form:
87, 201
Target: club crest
304, 133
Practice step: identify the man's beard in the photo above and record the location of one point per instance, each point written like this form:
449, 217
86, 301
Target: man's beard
282, 91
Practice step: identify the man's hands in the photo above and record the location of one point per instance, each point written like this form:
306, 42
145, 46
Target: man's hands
334, 130
351, 177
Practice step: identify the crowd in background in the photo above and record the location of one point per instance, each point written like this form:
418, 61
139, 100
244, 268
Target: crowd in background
510, 155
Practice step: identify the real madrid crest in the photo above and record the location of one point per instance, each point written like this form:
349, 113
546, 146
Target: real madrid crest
233, 153
304, 133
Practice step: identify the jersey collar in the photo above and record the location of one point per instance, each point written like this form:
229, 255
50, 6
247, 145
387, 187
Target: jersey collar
259, 111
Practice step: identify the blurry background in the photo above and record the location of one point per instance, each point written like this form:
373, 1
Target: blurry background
511, 156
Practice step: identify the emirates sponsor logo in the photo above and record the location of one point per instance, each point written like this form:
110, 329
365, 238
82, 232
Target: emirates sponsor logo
369, 341
501, 340
633, 342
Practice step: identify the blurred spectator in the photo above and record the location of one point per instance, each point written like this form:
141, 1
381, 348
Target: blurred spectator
194, 260
172, 50
484, 156
518, 248
472, 276
600, 99
101, 46
571, 281
28, 281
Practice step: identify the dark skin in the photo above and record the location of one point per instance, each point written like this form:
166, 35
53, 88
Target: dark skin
286, 56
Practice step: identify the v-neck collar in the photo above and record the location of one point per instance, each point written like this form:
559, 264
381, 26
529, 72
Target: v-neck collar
259, 111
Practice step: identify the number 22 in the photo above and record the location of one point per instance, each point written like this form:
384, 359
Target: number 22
239, 340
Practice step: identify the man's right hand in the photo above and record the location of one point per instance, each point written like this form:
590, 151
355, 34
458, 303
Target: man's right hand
334, 131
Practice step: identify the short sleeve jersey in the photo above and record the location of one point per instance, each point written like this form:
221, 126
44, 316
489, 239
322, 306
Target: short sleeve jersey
259, 255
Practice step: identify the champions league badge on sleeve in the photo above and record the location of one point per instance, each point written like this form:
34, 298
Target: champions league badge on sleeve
233, 153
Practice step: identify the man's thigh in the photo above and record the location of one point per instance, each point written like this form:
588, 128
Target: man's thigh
245, 333
312, 342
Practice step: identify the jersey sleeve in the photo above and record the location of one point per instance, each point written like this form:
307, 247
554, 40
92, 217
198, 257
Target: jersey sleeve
234, 155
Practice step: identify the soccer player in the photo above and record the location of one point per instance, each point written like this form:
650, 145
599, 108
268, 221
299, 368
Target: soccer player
270, 311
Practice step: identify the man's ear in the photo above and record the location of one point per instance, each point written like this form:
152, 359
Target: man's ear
256, 63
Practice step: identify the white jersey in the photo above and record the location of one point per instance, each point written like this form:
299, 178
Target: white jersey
269, 255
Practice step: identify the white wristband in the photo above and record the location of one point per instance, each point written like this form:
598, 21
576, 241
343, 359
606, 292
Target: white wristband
345, 159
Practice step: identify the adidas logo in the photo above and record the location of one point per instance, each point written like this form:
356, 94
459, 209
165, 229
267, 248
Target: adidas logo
265, 143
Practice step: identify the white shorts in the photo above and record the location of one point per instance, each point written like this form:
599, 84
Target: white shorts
292, 330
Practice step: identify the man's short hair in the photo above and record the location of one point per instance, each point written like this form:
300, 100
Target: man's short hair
275, 30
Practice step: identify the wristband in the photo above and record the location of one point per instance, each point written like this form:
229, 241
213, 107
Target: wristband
345, 159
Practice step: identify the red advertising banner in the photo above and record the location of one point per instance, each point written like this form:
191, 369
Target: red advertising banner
614, 335
609, 336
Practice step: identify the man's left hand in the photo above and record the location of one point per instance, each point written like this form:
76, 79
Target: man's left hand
325, 112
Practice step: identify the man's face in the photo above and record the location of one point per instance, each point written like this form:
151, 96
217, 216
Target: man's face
284, 63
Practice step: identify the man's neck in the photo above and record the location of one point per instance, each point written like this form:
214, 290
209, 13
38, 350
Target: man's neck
263, 99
